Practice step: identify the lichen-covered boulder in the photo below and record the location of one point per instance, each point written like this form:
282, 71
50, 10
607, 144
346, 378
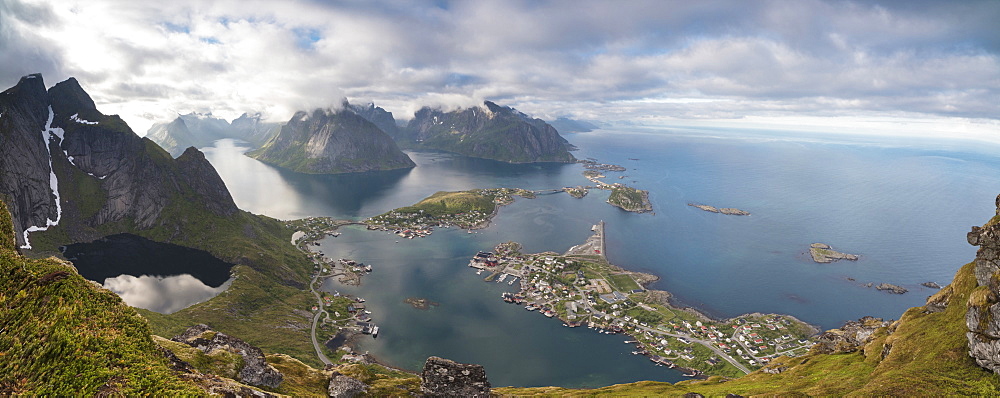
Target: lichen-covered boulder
447, 378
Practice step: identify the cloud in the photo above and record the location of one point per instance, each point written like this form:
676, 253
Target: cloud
163, 294
594, 59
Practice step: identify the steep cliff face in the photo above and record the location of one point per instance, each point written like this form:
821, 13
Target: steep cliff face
67, 163
328, 142
983, 315
490, 132
24, 155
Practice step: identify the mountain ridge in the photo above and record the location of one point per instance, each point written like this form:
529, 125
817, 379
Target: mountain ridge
330, 142
490, 131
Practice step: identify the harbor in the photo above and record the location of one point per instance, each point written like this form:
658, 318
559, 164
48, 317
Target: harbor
580, 288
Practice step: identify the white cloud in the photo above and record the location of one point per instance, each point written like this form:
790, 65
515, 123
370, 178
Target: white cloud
150, 61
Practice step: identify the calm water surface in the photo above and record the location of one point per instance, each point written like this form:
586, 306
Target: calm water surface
903, 206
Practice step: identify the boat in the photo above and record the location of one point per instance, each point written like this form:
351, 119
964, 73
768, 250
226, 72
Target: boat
375, 331
512, 281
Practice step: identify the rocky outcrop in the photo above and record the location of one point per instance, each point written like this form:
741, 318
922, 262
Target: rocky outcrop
447, 378
849, 338
62, 162
888, 287
345, 387
330, 142
490, 132
983, 315
255, 369
823, 253
212, 384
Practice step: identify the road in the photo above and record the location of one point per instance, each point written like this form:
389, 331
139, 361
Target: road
319, 304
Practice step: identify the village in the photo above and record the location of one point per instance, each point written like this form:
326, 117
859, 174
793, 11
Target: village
468, 210
582, 289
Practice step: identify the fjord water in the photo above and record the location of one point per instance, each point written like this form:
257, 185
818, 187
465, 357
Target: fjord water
904, 206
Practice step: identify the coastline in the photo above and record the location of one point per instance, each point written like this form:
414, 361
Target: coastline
668, 332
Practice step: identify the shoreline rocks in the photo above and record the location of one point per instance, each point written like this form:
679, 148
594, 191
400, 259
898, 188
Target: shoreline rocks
822, 253
420, 303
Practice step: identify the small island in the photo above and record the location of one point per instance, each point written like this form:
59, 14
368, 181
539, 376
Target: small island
888, 287
420, 303
822, 253
473, 209
630, 199
725, 210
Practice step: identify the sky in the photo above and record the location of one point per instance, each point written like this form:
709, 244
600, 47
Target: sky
931, 67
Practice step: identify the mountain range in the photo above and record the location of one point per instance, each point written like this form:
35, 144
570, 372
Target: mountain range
201, 130
69, 173
490, 131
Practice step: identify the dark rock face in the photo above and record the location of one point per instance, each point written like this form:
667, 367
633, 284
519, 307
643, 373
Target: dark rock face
447, 378
381, 118
983, 315
103, 172
345, 387
849, 338
24, 157
255, 370
328, 142
490, 132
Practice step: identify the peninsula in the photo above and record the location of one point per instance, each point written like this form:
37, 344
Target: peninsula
581, 288
823, 253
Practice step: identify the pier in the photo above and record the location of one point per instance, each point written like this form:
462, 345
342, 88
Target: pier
595, 244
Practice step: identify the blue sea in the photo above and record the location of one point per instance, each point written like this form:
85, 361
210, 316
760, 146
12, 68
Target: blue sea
904, 205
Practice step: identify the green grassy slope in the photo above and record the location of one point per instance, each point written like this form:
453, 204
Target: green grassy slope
62, 335
927, 356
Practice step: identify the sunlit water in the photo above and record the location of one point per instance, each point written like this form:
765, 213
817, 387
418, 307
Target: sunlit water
903, 206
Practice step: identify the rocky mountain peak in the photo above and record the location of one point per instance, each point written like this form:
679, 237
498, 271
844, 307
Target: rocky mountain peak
328, 141
493, 107
69, 98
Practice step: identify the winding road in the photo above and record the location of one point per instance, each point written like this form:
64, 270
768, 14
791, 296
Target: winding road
319, 303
